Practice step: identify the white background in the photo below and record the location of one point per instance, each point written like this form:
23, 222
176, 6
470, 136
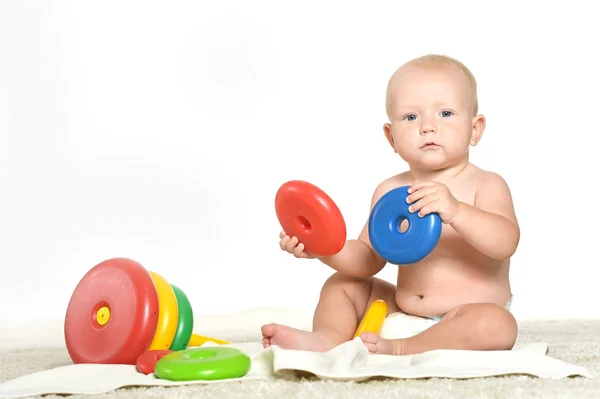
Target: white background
161, 131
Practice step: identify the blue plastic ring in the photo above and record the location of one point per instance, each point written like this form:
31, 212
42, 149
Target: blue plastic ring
402, 248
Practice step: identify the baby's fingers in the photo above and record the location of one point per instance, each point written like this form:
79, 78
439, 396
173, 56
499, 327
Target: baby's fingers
299, 251
283, 242
291, 244
282, 234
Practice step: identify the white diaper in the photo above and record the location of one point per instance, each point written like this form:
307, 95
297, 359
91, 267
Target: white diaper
401, 325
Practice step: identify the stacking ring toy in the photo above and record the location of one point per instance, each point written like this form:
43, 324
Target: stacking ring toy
167, 314
308, 213
373, 319
215, 363
398, 247
112, 314
146, 362
185, 323
119, 310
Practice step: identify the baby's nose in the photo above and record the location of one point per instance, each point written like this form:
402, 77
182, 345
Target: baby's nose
428, 127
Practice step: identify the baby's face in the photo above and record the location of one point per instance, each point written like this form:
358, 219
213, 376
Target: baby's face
431, 117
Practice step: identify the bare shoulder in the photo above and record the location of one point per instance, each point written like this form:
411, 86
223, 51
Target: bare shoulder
486, 180
493, 194
402, 179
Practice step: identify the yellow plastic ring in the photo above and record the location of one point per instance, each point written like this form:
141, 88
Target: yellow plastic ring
167, 314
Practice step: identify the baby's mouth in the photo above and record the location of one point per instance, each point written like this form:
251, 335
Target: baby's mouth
430, 146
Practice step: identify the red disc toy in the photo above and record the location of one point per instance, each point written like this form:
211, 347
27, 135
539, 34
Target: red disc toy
147, 361
112, 315
306, 212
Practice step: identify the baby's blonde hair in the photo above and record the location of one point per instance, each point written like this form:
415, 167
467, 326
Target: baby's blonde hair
437, 62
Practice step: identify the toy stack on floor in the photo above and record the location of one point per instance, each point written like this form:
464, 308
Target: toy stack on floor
120, 313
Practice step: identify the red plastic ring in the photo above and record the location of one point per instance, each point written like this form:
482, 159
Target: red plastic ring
146, 362
125, 291
308, 213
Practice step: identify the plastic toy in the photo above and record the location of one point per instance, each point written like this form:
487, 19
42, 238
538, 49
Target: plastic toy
373, 318
119, 310
306, 212
185, 322
146, 362
213, 363
410, 246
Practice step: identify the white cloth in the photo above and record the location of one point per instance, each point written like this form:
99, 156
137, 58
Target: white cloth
347, 362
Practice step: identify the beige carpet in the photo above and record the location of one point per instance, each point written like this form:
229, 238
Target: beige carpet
572, 341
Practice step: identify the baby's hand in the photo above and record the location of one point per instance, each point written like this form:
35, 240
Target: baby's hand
292, 246
432, 197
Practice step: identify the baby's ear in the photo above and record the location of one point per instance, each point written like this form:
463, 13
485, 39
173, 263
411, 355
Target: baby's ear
387, 130
478, 128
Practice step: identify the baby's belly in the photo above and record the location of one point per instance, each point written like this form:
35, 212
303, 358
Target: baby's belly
437, 285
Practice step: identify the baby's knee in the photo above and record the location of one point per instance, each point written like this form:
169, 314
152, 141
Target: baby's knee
496, 324
339, 281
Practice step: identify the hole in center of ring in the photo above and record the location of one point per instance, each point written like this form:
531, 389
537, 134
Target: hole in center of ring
402, 224
202, 354
304, 223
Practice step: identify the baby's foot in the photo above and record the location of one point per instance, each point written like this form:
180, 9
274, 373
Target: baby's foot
290, 338
376, 344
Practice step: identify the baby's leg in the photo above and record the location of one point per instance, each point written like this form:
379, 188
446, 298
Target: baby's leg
476, 326
342, 303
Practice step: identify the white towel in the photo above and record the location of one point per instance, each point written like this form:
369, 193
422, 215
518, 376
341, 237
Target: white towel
347, 362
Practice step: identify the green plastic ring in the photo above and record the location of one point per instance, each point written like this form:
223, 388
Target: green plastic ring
212, 363
185, 322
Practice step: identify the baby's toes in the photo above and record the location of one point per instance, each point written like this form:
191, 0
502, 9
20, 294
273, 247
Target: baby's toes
371, 341
372, 348
369, 338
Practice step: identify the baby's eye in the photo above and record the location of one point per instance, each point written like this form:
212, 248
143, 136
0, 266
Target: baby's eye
411, 117
446, 114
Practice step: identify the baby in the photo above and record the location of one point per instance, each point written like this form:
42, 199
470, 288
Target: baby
462, 287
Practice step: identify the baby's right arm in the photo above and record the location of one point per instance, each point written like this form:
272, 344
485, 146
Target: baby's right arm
358, 258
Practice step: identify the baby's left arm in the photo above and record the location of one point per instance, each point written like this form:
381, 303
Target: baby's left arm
490, 225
